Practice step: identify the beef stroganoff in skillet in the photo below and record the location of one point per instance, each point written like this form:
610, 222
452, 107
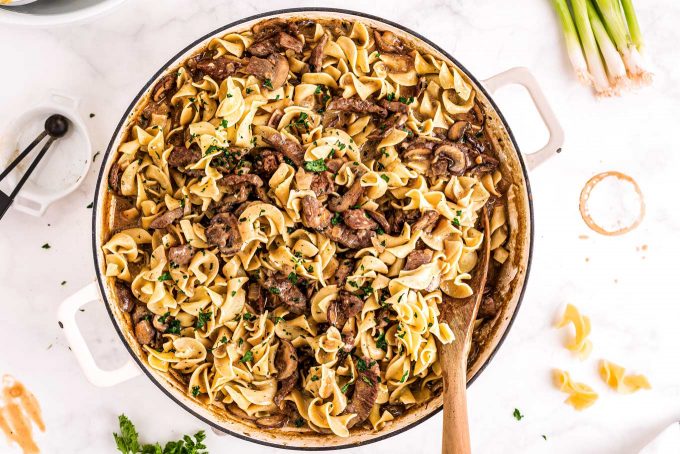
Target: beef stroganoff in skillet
292, 206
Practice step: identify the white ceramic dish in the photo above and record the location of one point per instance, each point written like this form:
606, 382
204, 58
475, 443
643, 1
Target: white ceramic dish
65, 164
53, 12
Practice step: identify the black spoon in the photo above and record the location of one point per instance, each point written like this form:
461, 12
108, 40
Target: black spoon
56, 126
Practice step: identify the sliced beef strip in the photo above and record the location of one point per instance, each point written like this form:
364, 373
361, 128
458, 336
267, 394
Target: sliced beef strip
289, 294
256, 297
380, 219
488, 307
358, 219
343, 309
126, 300
388, 42
223, 232
273, 70
115, 175
344, 269
289, 147
238, 180
275, 421
316, 56
356, 105
394, 106
334, 164
352, 239
322, 183
314, 214
286, 360
218, 68
285, 387
181, 156
365, 393
181, 255
167, 218
269, 27
348, 199
145, 332
384, 129
279, 42
426, 222
163, 88
417, 258
266, 163
235, 195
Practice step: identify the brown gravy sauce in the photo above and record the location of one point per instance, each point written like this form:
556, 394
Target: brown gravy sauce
19, 411
585, 195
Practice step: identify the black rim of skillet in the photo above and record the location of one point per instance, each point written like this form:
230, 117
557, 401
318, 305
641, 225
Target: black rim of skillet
144, 89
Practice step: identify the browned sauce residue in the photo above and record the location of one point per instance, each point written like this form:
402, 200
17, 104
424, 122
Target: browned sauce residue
585, 194
19, 411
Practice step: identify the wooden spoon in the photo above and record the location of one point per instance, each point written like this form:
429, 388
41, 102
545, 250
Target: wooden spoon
460, 314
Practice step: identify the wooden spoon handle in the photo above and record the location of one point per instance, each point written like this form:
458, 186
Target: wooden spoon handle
456, 432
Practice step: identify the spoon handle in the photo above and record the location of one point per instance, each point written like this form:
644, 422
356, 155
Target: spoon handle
23, 154
6, 200
456, 432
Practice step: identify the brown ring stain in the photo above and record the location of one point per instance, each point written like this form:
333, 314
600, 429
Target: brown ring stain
585, 195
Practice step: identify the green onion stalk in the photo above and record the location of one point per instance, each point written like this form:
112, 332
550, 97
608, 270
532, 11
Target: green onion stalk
616, 69
617, 27
593, 57
572, 41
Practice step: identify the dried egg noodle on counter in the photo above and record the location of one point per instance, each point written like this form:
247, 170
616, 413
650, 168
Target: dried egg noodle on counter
615, 377
581, 396
294, 203
580, 344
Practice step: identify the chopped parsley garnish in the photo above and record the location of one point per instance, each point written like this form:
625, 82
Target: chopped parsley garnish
544, 437
229, 95
249, 91
268, 83
381, 342
316, 166
315, 377
46, 246
345, 387
404, 377
247, 357
368, 380
353, 284
299, 422
163, 318
318, 90
277, 320
390, 97
456, 222
274, 290
518, 416
386, 178
203, 318
90, 205
293, 278
174, 327
248, 316
240, 341
380, 231
335, 220
288, 161
224, 339
361, 365
164, 277
195, 391
377, 54
224, 124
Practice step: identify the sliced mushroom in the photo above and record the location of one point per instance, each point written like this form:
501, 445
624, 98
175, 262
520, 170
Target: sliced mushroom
163, 87
181, 255
144, 332
388, 42
457, 130
348, 199
161, 326
285, 387
286, 360
449, 160
272, 422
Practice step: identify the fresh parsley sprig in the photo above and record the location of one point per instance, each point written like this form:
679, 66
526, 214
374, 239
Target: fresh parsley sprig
127, 442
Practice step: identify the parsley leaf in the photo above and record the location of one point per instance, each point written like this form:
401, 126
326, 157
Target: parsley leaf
381, 343
247, 357
390, 97
293, 278
404, 377
164, 277
195, 391
316, 166
46, 246
361, 365
203, 318
268, 83
518, 416
174, 327
335, 220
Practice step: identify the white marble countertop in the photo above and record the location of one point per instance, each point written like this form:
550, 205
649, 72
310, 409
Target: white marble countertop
629, 293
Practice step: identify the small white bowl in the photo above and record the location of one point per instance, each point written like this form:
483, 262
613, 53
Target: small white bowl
52, 12
63, 168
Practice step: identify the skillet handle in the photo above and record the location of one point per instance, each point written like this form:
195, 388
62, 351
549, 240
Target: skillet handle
522, 76
67, 320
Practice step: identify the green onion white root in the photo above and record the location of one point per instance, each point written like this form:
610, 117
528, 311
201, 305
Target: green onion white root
604, 44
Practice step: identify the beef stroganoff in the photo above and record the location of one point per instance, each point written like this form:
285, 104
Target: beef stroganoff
290, 208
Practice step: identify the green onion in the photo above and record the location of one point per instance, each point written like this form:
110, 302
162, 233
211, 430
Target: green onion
633, 26
615, 66
585, 31
574, 50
